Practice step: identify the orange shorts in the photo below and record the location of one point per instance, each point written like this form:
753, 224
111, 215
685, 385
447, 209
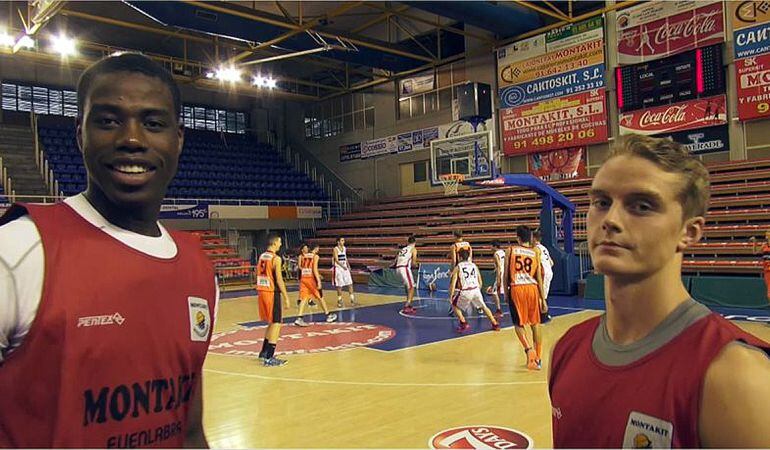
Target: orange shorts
308, 289
270, 306
525, 304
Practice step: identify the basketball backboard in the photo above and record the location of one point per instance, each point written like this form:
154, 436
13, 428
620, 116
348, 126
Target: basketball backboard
470, 155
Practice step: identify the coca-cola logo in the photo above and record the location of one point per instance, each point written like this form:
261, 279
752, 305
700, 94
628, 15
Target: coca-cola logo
674, 114
699, 24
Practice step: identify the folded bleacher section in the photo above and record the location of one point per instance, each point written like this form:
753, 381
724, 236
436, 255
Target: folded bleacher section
739, 209
233, 272
212, 166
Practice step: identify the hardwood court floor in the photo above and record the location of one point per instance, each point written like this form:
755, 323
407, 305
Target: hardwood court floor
397, 392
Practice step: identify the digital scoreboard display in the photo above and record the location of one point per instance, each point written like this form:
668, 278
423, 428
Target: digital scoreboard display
697, 73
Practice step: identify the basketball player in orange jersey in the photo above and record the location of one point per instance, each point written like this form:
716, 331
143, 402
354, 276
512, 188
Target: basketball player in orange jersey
458, 244
465, 291
310, 284
269, 278
101, 306
663, 370
765, 250
405, 258
524, 289
498, 288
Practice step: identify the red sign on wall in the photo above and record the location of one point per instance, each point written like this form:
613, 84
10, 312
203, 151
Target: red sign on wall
563, 122
753, 79
698, 113
559, 164
666, 35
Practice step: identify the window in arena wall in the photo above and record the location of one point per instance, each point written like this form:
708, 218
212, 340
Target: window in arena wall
446, 79
339, 115
420, 171
63, 102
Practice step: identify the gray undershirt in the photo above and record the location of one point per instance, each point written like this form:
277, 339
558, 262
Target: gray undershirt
612, 354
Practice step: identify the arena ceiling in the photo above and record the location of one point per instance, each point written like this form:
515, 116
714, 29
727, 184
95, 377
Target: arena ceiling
312, 50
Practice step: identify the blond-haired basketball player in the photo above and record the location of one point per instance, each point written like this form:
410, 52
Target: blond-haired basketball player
310, 284
341, 276
465, 291
524, 289
658, 369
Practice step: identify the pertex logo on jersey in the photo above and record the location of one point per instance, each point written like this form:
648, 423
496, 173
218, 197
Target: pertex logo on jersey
91, 321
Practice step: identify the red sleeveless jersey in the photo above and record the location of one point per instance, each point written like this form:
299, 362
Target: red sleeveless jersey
117, 344
653, 402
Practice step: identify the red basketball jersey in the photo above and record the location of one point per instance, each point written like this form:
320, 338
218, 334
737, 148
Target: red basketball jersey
117, 345
652, 402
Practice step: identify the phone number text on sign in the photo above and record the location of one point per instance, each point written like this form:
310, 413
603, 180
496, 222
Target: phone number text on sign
753, 87
570, 121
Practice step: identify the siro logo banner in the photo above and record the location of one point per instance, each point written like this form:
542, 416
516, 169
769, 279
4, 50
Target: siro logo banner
434, 273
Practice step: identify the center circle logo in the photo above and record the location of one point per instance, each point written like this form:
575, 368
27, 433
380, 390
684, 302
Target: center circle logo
294, 340
480, 437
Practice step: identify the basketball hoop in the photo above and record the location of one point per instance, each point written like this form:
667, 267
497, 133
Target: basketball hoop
450, 182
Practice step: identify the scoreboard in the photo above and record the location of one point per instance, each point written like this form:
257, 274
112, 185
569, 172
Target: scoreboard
696, 73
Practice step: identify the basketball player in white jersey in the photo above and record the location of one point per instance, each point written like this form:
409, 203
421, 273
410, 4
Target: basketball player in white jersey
405, 258
498, 289
341, 276
465, 290
546, 264
458, 244
310, 285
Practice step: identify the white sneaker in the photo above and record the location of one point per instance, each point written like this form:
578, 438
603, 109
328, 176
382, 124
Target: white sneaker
339, 303
331, 317
300, 322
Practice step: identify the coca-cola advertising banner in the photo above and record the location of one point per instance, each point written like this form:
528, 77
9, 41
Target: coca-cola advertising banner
656, 30
559, 164
697, 113
753, 81
571, 121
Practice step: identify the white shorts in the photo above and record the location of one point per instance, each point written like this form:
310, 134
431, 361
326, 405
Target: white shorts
463, 299
406, 276
547, 277
341, 277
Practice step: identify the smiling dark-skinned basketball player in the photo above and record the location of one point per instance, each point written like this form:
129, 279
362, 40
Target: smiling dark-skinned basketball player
105, 316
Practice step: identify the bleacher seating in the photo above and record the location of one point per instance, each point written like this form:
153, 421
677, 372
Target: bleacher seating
210, 167
233, 272
739, 210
